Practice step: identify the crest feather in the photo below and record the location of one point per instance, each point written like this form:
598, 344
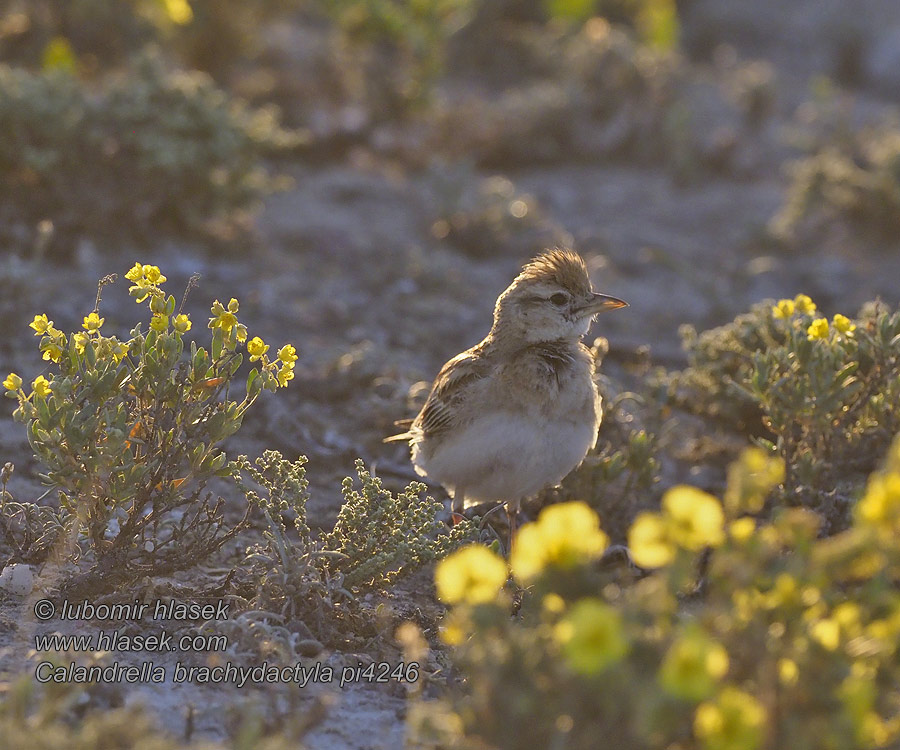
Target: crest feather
562, 267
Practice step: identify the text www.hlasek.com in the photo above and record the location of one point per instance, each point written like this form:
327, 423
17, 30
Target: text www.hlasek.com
116, 641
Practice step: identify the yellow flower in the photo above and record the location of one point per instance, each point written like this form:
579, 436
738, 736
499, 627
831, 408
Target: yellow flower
92, 322
285, 374
13, 382
749, 480
222, 318
697, 520
843, 324
256, 348
159, 322
119, 350
136, 272
182, 323
783, 309
827, 633
788, 672
742, 529
473, 575
41, 386
693, 665
649, 541
288, 355
453, 628
734, 721
179, 11
880, 506
79, 341
153, 275
52, 351
553, 604
240, 332
40, 324
818, 329
804, 305
592, 636
564, 536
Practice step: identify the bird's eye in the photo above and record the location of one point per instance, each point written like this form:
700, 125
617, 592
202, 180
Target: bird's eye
559, 299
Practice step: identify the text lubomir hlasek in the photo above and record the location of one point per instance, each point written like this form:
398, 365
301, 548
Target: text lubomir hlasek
159, 610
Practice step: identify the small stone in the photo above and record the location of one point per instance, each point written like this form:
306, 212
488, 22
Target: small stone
17, 579
309, 647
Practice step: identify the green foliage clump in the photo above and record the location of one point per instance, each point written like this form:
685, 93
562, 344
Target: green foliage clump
655, 20
781, 639
89, 34
128, 432
854, 181
820, 393
381, 536
378, 537
398, 48
161, 153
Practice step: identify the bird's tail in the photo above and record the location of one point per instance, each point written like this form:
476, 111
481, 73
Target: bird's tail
408, 435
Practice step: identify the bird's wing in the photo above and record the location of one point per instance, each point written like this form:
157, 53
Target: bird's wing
440, 410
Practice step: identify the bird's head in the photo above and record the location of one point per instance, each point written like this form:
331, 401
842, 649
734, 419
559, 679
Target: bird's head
551, 299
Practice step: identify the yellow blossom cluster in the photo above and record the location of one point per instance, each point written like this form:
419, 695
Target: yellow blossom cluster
564, 536
691, 519
146, 281
817, 329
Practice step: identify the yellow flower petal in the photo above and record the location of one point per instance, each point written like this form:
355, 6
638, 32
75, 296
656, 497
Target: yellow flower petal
784, 309
473, 575
592, 636
41, 386
697, 520
564, 536
804, 305
818, 329
40, 324
649, 541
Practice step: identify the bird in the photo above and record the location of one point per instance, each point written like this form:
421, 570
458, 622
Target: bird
519, 410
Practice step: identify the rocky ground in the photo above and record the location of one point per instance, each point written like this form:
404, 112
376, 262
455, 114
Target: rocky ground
354, 267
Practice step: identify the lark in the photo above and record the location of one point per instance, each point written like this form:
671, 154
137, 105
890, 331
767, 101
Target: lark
517, 412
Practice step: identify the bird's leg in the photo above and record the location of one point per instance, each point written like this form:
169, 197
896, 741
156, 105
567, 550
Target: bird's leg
457, 506
512, 514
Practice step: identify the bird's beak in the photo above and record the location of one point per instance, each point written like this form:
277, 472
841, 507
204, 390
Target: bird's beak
600, 302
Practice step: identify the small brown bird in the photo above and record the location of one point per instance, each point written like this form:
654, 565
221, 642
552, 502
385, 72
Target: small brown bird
520, 410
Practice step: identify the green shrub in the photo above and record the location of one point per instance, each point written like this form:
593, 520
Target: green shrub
782, 640
396, 49
377, 538
94, 35
155, 154
820, 394
128, 432
851, 179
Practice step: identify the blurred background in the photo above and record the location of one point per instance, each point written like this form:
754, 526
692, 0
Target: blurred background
367, 175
